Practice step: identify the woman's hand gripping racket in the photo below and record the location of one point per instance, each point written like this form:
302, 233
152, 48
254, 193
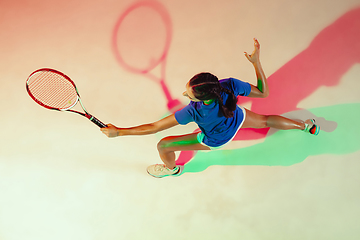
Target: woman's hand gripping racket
54, 90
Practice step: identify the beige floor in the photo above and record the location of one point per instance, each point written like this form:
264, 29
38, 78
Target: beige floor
60, 178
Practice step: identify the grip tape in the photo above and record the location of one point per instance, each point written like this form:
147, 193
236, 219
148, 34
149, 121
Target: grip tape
96, 121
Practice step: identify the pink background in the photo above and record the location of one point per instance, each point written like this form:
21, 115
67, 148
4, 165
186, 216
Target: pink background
60, 178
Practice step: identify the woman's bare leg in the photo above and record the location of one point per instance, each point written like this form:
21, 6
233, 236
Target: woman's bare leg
254, 120
169, 145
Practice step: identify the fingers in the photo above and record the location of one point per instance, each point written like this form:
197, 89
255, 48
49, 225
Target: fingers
105, 130
256, 43
109, 125
110, 131
255, 55
247, 56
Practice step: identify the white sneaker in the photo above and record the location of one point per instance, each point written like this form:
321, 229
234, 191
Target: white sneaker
160, 170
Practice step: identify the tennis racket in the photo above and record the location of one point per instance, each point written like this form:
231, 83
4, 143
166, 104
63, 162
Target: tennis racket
141, 41
54, 90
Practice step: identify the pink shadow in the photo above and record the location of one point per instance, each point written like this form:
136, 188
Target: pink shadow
329, 56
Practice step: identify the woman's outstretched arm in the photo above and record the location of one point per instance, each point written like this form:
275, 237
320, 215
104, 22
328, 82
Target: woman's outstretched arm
145, 129
262, 89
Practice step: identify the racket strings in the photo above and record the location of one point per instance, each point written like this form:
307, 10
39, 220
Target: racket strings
53, 90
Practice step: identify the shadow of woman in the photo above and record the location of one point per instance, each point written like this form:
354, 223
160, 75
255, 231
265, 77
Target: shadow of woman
286, 148
329, 56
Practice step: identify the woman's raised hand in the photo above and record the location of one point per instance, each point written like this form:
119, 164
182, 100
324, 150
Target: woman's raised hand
255, 56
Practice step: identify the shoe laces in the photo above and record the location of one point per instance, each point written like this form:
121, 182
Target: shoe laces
159, 167
162, 167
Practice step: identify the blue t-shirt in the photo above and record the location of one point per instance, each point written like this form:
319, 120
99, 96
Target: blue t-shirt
217, 129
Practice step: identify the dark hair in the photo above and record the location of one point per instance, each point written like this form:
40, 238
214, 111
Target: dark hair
206, 86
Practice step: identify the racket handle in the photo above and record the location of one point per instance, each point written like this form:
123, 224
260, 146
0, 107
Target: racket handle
96, 121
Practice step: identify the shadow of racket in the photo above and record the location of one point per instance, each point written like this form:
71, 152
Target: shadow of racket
141, 41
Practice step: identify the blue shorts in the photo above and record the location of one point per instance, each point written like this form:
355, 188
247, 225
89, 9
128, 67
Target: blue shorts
201, 135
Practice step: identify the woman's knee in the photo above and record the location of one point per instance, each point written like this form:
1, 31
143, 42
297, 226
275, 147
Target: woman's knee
177, 143
162, 144
165, 143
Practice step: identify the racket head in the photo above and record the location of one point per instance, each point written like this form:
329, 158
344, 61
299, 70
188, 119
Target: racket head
52, 89
142, 36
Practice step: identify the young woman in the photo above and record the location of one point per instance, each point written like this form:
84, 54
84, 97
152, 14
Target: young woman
213, 107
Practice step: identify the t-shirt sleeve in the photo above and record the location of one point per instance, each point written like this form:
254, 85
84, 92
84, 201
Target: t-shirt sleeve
184, 116
240, 88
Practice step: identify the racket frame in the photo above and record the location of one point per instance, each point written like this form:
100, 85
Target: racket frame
78, 99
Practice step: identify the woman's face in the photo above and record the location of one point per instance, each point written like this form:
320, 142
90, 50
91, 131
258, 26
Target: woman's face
188, 93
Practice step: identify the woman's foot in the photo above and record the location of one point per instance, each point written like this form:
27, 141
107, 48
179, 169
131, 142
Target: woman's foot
311, 127
160, 170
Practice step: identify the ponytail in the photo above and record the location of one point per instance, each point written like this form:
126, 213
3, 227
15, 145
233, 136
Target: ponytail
230, 105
